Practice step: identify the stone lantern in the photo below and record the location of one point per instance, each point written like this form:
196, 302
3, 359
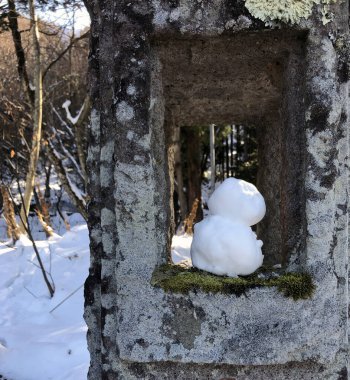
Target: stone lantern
156, 65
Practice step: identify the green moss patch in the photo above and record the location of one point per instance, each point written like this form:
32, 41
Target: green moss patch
176, 279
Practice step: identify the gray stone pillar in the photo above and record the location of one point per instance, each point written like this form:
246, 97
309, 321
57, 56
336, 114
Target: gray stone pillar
136, 330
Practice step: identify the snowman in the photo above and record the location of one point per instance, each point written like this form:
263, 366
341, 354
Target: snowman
224, 243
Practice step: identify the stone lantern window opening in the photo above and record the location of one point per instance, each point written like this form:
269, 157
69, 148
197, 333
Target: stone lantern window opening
247, 79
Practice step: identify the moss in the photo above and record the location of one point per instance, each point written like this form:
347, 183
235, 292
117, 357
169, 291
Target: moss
177, 279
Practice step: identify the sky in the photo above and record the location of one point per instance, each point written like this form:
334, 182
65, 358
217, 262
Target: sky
62, 16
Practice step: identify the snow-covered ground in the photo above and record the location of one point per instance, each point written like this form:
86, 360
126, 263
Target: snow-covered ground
36, 344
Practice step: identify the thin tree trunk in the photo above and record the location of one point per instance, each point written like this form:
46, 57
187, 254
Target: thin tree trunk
62, 214
43, 212
194, 169
17, 41
232, 152
37, 118
245, 144
50, 286
222, 160
79, 134
238, 149
179, 175
78, 126
47, 194
9, 214
212, 158
227, 157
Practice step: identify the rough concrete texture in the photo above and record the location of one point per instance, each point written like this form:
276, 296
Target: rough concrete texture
156, 65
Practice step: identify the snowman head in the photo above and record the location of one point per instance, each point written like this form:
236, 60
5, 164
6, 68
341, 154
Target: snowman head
239, 201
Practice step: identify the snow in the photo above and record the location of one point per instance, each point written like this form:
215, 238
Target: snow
239, 201
223, 243
67, 154
36, 344
69, 116
180, 249
63, 123
63, 16
77, 192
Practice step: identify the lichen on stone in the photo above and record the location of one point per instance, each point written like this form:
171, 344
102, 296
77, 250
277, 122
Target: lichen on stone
177, 279
124, 112
289, 11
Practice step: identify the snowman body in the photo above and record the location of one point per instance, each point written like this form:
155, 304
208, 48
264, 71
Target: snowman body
224, 243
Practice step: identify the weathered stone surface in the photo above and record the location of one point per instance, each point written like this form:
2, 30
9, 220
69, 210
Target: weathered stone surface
159, 64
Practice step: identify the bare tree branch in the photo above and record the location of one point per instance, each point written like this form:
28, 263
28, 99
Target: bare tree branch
64, 51
51, 287
78, 202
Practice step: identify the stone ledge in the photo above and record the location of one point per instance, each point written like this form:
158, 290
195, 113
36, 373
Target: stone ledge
177, 279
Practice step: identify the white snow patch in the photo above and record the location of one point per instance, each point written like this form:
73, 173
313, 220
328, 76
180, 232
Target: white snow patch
37, 344
180, 248
69, 116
